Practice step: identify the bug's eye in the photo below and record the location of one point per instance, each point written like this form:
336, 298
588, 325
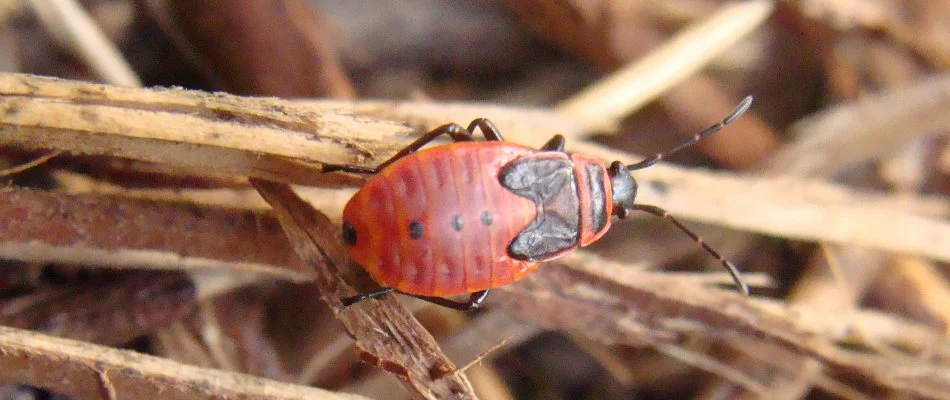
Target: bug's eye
623, 212
349, 234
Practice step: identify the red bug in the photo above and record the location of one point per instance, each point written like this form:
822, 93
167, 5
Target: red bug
470, 216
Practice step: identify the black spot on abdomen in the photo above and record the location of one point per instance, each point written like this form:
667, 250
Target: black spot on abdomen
349, 234
486, 218
415, 230
457, 223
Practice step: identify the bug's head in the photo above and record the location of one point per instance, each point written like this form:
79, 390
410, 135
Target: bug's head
624, 188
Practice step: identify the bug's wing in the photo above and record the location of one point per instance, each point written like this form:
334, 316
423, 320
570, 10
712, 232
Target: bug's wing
548, 180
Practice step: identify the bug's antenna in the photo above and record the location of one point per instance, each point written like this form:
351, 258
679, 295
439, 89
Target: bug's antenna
733, 271
740, 109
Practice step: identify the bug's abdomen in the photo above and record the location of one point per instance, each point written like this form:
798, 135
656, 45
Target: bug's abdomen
438, 222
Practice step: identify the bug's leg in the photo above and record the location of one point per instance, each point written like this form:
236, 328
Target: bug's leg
555, 144
733, 271
349, 301
347, 168
474, 301
455, 131
489, 130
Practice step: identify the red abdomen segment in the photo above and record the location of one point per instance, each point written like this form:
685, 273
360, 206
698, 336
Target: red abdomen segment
438, 222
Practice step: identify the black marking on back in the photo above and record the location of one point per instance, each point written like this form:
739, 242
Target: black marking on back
349, 234
486, 218
457, 223
415, 230
598, 197
549, 182
556, 143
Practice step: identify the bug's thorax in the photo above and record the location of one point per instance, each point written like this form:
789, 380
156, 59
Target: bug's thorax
595, 193
572, 196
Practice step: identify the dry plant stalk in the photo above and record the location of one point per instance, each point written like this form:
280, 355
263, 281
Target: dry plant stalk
112, 313
932, 287
833, 287
614, 305
276, 140
611, 99
30, 164
877, 125
215, 134
796, 208
73, 26
885, 16
386, 334
827, 144
89, 371
119, 232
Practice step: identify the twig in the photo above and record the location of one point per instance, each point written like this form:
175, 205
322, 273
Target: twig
712, 365
321, 361
63, 366
30, 164
484, 330
616, 306
226, 135
120, 232
385, 332
931, 287
108, 388
482, 355
611, 99
269, 138
847, 134
792, 207
74, 27
111, 313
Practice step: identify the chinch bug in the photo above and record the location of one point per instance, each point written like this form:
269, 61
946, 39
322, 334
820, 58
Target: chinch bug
470, 216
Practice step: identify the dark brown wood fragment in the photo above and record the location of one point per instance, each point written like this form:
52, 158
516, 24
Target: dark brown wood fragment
383, 329
111, 313
116, 231
275, 48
